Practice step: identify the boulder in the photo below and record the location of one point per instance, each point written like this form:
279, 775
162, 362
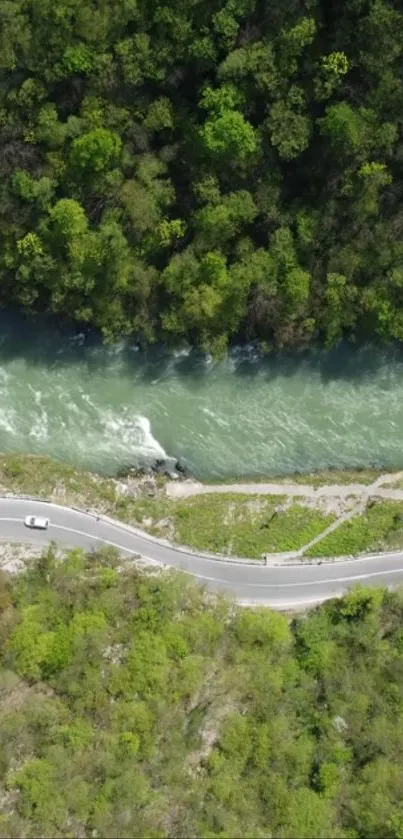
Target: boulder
181, 467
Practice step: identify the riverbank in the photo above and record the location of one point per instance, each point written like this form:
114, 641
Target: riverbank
316, 519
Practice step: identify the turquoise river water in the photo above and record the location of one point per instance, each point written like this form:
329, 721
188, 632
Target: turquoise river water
102, 408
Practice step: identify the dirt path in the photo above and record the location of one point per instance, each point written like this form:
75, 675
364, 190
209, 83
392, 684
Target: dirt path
186, 489
360, 492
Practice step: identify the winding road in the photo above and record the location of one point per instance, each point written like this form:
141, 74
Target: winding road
285, 585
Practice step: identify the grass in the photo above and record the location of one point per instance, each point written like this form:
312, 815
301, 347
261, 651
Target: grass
44, 477
379, 528
244, 525
337, 476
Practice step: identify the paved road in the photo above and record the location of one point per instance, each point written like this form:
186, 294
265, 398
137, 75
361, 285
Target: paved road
282, 586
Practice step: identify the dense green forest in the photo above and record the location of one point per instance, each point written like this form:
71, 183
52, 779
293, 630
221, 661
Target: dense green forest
134, 704
204, 170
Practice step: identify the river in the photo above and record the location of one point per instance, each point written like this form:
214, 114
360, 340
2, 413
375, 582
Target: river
102, 408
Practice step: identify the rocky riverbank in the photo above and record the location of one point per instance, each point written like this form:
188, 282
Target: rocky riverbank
178, 470
168, 467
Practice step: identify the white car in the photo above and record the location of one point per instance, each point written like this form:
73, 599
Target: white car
36, 521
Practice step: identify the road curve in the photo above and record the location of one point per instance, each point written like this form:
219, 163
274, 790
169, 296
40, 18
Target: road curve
291, 586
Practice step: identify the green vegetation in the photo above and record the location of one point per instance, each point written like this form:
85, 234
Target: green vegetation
47, 478
378, 529
245, 525
134, 705
336, 476
204, 171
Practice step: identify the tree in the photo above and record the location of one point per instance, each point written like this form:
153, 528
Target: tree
292, 43
160, 115
42, 799
256, 61
373, 178
226, 132
289, 129
218, 223
200, 289
339, 312
345, 127
230, 135
77, 59
333, 68
310, 815
67, 219
96, 151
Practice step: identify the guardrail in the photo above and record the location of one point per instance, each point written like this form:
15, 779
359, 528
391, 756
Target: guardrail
136, 531
271, 560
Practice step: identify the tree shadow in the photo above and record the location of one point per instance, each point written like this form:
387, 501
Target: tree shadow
54, 343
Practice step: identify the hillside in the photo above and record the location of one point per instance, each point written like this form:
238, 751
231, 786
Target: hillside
204, 171
134, 705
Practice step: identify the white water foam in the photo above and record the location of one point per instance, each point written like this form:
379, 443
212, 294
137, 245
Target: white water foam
134, 432
150, 444
40, 426
86, 398
183, 353
8, 421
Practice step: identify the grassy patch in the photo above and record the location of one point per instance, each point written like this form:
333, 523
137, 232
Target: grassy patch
337, 476
44, 477
244, 525
380, 528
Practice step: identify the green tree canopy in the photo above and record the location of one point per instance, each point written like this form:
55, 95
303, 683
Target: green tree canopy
202, 128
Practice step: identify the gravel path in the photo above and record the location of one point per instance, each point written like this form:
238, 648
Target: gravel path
185, 489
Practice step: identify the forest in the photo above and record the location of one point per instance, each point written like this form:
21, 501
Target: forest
204, 171
136, 704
